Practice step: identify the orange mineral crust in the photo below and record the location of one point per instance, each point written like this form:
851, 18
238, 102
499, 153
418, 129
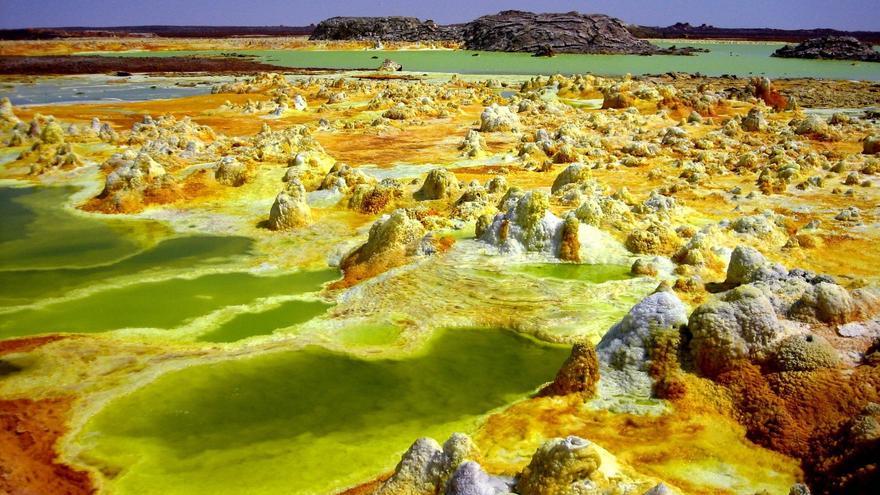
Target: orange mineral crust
663, 446
26, 344
29, 432
809, 415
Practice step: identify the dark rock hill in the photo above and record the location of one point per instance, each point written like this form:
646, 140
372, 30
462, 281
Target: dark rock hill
684, 30
831, 48
572, 32
508, 31
392, 28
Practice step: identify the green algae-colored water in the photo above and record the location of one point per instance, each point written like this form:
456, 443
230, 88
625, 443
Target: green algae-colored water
164, 304
37, 232
741, 59
249, 324
369, 335
28, 286
48, 252
16, 216
306, 421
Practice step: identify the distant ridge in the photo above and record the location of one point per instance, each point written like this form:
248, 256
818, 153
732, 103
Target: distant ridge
680, 30
154, 31
684, 30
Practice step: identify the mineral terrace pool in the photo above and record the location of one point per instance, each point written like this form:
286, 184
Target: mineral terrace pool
306, 421
70, 267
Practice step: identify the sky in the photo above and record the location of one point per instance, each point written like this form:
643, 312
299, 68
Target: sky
786, 14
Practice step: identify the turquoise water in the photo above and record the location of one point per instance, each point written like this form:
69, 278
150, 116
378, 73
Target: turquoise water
95, 88
308, 421
744, 59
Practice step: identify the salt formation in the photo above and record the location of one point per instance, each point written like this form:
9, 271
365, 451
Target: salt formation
231, 172
427, 467
497, 118
290, 209
389, 65
579, 373
741, 325
625, 350
439, 184
7, 113
557, 465
134, 179
527, 225
394, 240
265, 81
473, 145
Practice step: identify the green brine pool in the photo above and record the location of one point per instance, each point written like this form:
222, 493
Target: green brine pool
69, 272
309, 421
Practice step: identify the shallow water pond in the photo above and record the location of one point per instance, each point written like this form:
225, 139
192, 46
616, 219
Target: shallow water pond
27, 286
47, 251
306, 421
38, 232
164, 304
93, 88
284, 315
741, 59
369, 335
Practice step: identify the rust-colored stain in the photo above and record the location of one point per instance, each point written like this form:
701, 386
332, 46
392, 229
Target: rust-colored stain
29, 431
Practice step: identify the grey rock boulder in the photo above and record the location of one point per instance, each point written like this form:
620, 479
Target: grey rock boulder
470, 479
748, 265
742, 324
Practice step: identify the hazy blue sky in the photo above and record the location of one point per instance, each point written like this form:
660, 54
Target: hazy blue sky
841, 14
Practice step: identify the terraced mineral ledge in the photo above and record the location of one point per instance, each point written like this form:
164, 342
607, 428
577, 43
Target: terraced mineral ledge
395, 282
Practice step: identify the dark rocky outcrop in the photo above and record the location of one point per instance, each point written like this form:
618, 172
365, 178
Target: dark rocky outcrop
831, 48
572, 32
684, 30
507, 31
393, 28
